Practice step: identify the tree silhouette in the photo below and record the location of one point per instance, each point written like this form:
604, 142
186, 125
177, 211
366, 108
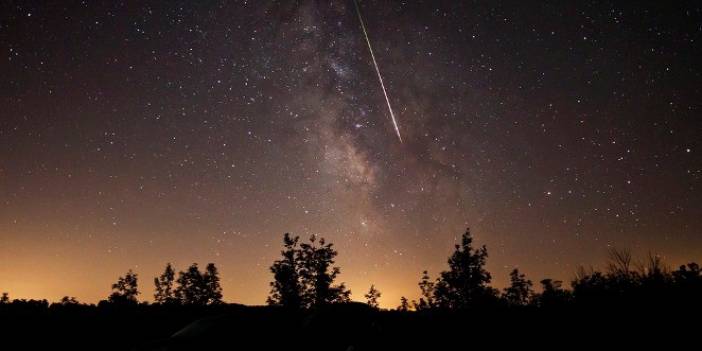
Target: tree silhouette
305, 276
519, 292
165, 292
212, 288
372, 296
286, 289
404, 304
318, 274
552, 295
689, 275
466, 282
125, 289
5, 298
426, 286
190, 283
69, 301
196, 288
688, 281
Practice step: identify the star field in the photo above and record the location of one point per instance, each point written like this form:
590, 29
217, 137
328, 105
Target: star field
138, 133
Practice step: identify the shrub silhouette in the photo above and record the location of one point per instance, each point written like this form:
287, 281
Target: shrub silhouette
648, 284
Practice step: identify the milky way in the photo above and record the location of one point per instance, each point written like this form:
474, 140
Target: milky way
135, 134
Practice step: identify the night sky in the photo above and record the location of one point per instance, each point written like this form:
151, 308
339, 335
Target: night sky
138, 133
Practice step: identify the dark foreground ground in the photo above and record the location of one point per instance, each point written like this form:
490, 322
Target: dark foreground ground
341, 327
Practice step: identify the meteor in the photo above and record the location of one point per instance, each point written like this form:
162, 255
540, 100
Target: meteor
377, 70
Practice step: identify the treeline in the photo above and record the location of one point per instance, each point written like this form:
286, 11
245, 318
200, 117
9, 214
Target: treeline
305, 278
192, 287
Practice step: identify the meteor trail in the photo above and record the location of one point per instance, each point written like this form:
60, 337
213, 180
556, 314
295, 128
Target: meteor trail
377, 70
